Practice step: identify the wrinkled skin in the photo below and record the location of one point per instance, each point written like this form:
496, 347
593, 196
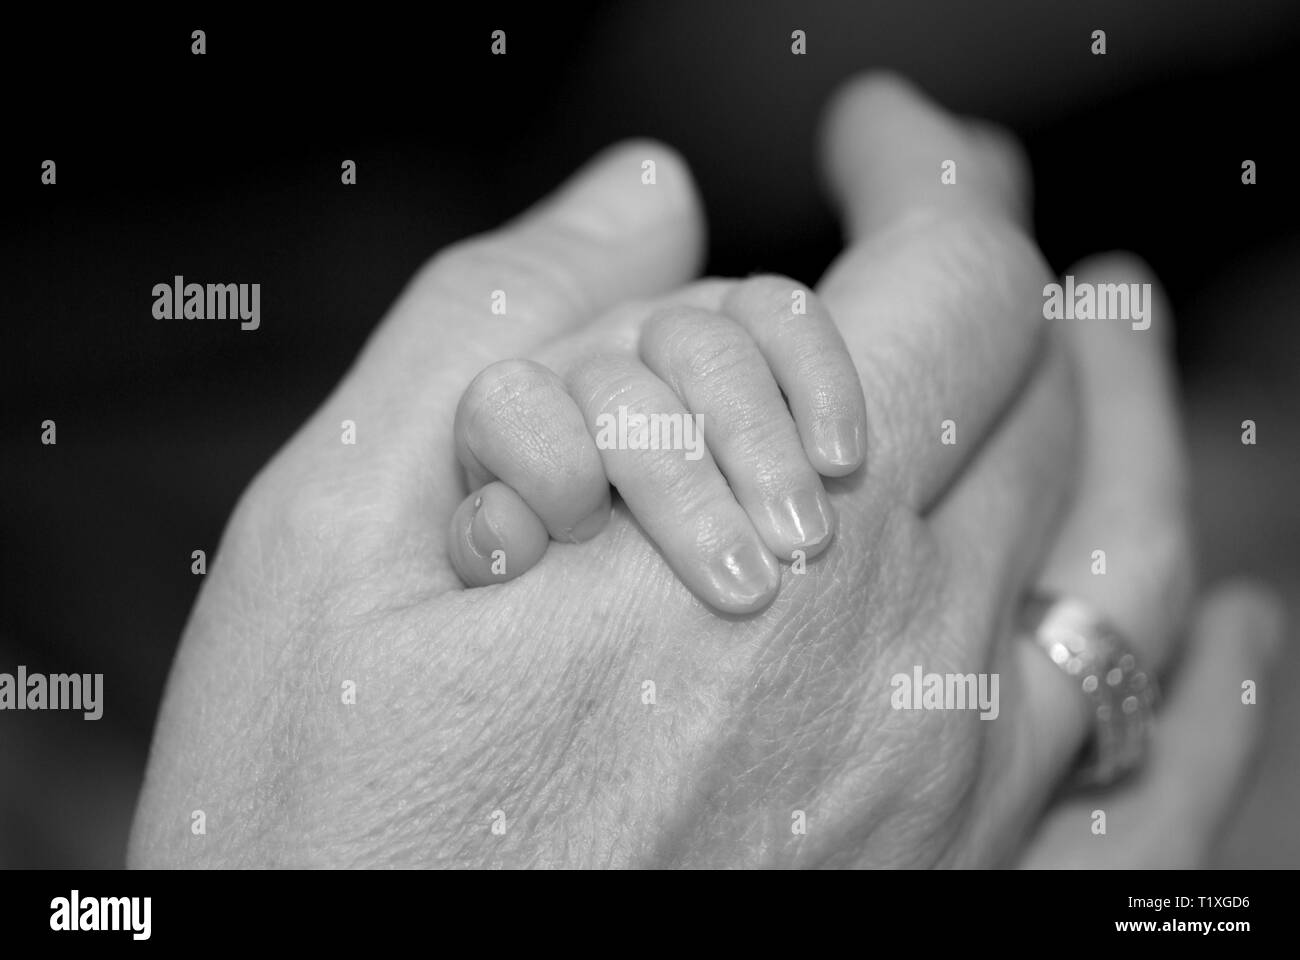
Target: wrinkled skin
527, 697
524, 703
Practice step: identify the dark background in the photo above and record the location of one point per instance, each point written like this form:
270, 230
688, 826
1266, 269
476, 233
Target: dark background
225, 168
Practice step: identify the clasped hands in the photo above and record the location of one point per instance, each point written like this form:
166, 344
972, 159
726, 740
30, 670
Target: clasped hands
627, 701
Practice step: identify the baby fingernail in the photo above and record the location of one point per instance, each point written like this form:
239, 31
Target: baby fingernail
745, 575
482, 537
804, 518
840, 441
590, 526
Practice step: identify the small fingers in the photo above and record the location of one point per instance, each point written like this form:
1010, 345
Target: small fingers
517, 423
602, 238
718, 372
494, 536
804, 349
654, 453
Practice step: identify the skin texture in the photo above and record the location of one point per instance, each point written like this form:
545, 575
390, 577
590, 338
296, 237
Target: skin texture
527, 698
753, 494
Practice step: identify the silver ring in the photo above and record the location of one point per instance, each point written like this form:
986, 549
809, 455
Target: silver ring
1122, 694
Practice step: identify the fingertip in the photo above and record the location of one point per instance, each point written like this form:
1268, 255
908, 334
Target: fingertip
857, 115
864, 97
629, 189
889, 150
838, 446
594, 523
742, 580
1122, 271
1251, 610
802, 523
1009, 171
495, 536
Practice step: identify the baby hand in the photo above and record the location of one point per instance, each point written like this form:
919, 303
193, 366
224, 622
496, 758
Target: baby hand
680, 406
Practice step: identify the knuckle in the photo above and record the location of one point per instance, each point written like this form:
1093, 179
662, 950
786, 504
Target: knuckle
1000, 157
724, 358
821, 368
709, 348
663, 325
667, 325
769, 446
697, 345
314, 515
461, 265
601, 382
769, 300
505, 388
996, 259
698, 492
996, 245
766, 288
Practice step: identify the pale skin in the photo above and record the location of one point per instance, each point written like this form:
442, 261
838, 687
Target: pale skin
530, 438
527, 697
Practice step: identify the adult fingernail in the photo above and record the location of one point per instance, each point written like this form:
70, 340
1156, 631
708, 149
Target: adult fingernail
804, 519
840, 441
744, 577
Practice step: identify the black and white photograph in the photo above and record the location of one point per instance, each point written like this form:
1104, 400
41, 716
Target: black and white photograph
652, 436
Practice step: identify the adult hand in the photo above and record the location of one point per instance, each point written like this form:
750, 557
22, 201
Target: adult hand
511, 725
